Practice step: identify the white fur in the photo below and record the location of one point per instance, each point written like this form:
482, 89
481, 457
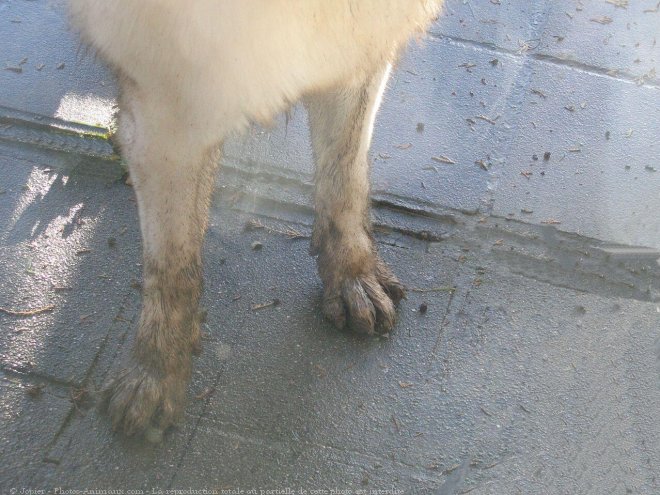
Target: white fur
232, 61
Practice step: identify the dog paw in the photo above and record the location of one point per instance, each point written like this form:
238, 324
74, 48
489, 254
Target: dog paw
366, 303
139, 401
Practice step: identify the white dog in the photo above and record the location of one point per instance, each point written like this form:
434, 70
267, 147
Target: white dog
190, 73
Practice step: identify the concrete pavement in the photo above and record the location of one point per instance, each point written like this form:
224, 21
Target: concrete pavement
526, 358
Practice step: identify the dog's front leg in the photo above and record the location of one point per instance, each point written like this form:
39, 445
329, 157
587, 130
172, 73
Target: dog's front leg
172, 173
359, 289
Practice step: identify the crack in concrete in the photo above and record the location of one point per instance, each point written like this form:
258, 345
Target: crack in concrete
551, 59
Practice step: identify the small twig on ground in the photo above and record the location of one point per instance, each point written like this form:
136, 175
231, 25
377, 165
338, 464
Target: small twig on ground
274, 302
289, 232
443, 159
433, 289
396, 424
487, 119
29, 312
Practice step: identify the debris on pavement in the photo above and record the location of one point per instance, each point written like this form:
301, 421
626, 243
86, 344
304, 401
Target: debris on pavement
28, 312
274, 302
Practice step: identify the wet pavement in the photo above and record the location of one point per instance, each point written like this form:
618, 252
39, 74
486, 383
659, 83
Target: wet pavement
516, 185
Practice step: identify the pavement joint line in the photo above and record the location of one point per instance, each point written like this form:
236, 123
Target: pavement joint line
55, 134
87, 380
277, 446
532, 250
379, 227
233, 175
249, 168
463, 285
9, 116
302, 181
603, 270
551, 59
625, 290
205, 409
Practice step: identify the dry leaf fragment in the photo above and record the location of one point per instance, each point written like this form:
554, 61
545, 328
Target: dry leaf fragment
618, 3
525, 45
482, 164
603, 19
443, 159
653, 10
488, 119
274, 302
649, 76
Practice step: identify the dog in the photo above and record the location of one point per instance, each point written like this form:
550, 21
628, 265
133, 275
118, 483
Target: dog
191, 73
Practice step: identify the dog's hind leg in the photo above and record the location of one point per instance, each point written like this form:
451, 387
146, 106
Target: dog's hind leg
359, 289
172, 167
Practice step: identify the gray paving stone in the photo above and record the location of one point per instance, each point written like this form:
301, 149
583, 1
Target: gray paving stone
58, 214
58, 77
601, 179
537, 373
33, 412
598, 35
